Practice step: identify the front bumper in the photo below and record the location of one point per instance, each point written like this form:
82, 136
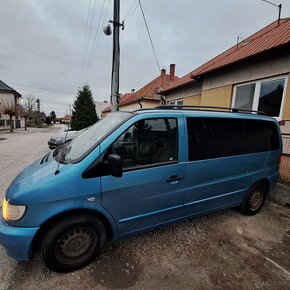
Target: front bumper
16, 240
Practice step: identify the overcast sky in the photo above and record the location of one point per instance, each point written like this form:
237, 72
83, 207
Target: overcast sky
43, 52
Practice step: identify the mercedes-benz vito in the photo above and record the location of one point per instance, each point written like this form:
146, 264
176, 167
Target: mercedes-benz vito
135, 171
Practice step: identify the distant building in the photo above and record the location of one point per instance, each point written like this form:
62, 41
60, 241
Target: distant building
149, 95
66, 120
100, 106
9, 95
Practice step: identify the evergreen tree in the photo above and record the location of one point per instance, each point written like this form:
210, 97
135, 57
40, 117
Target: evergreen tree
84, 109
47, 121
52, 115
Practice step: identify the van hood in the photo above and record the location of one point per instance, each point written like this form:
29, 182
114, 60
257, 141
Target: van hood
32, 175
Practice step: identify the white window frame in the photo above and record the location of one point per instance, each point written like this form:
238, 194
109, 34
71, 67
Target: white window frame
174, 102
257, 92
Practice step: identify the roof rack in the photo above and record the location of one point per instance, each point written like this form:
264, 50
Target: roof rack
209, 108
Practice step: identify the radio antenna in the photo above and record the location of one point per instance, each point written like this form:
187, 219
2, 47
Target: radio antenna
62, 147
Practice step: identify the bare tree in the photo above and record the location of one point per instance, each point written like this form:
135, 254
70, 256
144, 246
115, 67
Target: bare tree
23, 112
29, 104
10, 109
28, 108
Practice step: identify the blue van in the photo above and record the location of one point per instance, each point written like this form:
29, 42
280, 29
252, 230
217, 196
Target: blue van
135, 171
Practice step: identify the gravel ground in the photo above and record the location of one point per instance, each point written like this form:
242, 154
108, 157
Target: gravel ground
19, 149
224, 250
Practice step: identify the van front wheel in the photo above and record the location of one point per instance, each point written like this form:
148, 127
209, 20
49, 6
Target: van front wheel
72, 243
254, 200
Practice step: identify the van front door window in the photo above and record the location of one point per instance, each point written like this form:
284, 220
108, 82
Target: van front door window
147, 142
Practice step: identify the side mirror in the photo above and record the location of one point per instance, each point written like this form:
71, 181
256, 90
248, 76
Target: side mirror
115, 163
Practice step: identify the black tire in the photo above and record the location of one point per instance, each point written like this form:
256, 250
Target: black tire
254, 199
72, 243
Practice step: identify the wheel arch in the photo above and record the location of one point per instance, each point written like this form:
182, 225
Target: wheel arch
37, 241
265, 183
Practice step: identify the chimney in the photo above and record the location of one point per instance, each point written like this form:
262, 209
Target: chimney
163, 71
172, 72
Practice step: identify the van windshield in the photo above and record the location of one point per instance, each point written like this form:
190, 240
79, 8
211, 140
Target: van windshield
90, 138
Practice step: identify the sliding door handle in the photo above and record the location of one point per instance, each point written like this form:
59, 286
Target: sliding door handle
174, 178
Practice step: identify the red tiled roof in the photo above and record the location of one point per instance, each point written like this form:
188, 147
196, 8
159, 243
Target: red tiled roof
107, 109
269, 37
180, 82
67, 117
149, 92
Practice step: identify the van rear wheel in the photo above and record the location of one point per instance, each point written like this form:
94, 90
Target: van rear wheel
254, 200
72, 243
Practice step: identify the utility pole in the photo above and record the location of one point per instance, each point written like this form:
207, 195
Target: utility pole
116, 57
38, 113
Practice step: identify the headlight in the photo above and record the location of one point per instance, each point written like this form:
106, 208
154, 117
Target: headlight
13, 212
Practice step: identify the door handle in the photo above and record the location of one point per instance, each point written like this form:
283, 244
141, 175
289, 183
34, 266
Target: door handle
174, 178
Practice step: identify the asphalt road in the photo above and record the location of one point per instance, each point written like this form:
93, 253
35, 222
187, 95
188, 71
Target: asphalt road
224, 250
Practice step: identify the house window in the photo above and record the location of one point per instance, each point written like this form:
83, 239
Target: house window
175, 102
264, 95
2, 122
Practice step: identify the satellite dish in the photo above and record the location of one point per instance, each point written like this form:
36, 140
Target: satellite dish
107, 29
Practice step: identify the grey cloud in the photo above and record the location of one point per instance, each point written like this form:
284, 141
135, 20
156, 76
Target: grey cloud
41, 42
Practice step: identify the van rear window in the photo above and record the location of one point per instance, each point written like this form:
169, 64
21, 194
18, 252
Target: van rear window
215, 137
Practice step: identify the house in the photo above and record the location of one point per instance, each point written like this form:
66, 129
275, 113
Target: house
9, 96
252, 74
149, 95
100, 106
66, 120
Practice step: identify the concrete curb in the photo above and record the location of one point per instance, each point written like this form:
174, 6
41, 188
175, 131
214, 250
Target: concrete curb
280, 195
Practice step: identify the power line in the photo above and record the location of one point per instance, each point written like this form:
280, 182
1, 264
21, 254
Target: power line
52, 91
133, 3
271, 3
149, 35
85, 38
89, 35
129, 17
279, 8
100, 34
94, 42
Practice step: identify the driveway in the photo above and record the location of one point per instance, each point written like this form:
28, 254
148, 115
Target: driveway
19, 149
224, 250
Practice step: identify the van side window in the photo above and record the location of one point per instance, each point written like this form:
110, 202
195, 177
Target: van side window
147, 142
215, 137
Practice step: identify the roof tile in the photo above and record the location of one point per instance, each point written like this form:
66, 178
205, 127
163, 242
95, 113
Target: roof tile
149, 92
